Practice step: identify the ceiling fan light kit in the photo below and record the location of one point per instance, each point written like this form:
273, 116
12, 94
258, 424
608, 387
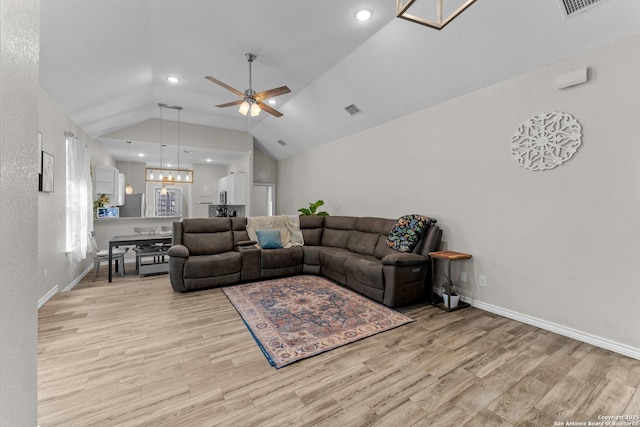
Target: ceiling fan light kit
251, 101
440, 21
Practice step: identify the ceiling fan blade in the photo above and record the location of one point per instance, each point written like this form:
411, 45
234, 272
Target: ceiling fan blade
224, 85
231, 104
272, 92
268, 109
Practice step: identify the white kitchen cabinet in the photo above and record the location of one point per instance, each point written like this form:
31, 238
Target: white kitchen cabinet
107, 180
236, 187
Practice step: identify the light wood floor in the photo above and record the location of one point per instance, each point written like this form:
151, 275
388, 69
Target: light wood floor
135, 353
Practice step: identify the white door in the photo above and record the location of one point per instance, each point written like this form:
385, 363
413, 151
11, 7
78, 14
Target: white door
263, 201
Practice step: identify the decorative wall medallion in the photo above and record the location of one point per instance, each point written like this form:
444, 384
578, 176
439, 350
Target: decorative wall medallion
546, 141
205, 190
262, 175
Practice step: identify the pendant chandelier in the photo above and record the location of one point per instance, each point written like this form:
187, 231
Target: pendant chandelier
426, 8
129, 189
168, 175
163, 190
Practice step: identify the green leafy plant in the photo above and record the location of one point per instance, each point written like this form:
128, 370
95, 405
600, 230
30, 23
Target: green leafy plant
311, 210
451, 286
101, 201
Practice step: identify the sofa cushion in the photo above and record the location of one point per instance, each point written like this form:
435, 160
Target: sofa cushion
371, 224
311, 227
239, 227
335, 238
407, 232
212, 265
206, 225
209, 243
312, 254
269, 239
333, 259
362, 270
283, 257
362, 243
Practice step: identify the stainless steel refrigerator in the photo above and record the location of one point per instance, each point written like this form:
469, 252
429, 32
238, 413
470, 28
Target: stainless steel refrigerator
134, 205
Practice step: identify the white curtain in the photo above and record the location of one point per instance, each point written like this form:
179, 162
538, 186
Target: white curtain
79, 202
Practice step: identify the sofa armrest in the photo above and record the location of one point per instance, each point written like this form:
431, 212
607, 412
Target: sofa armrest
179, 251
403, 259
244, 243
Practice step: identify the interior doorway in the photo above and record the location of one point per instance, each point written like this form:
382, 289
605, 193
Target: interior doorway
263, 202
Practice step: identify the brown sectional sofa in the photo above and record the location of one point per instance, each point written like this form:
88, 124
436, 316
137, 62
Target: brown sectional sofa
352, 251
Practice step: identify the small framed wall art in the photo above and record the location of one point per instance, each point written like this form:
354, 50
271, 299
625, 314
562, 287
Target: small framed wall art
47, 174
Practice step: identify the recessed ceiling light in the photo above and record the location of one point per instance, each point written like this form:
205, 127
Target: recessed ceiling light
140, 154
173, 79
209, 160
272, 101
363, 15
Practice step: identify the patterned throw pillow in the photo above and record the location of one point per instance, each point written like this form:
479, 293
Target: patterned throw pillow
407, 231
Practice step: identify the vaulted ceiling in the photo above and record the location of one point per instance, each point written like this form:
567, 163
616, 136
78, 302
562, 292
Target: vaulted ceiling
106, 62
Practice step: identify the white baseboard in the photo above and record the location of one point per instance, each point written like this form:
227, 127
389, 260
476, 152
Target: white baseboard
559, 329
78, 279
42, 301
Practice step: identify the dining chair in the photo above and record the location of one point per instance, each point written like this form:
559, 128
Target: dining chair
103, 255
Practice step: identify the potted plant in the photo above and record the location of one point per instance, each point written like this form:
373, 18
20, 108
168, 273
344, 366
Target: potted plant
449, 295
311, 210
101, 202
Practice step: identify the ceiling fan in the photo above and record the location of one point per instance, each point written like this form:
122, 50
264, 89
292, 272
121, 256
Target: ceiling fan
252, 101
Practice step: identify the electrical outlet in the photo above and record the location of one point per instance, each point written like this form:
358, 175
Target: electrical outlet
482, 282
463, 276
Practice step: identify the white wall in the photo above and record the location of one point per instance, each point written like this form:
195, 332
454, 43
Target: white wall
204, 191
19, 50
56, 270
265, 168
559, 248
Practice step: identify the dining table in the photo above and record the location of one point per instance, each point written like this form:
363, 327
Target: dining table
135, 240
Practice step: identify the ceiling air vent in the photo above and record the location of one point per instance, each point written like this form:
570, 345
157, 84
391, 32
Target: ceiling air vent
281, 142
352, 109
574, 7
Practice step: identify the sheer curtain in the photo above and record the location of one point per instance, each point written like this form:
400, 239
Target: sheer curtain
79, 202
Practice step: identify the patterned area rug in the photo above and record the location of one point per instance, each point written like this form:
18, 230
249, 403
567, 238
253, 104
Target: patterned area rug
298, 317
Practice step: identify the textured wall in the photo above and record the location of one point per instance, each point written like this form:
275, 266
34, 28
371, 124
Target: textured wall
561, 245
19, 45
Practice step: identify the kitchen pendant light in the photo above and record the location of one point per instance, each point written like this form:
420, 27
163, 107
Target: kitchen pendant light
171, 178
163, 190
129, 189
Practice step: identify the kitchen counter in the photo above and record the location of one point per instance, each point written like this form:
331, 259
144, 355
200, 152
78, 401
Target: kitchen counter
139, 218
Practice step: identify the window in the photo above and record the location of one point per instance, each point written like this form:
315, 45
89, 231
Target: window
78, 199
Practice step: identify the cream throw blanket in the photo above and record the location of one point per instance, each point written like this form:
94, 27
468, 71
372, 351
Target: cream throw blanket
289, 226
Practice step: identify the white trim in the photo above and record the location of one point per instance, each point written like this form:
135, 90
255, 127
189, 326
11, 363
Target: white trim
42, 301
78, 279
605, 343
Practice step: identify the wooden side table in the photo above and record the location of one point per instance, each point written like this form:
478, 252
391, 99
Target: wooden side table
448, 256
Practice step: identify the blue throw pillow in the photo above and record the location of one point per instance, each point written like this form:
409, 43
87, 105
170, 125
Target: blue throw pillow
269, 239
